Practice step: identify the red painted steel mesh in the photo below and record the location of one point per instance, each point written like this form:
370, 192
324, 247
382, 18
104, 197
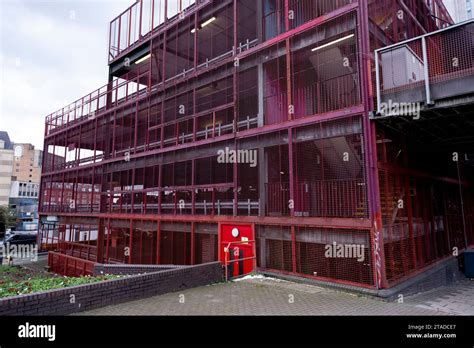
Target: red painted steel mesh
175, 244
275, 97
329, 170
335, 254
305, 10
392, 23
325, 73
422, 222
277, 189
318, 252
451, 54
274, 248
144, 243
424, 216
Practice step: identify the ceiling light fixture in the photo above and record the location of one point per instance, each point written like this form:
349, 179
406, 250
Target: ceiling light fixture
143, 58
332, 42
207, 22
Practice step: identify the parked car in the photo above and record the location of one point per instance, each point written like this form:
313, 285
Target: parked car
20, 238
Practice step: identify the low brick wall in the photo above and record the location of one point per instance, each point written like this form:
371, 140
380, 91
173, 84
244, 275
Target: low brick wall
85, 297
101, 268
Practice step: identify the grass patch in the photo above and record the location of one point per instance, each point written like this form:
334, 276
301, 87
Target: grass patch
16, 280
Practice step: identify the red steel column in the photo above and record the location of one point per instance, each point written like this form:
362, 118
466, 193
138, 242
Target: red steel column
193, 235
293, 248
373, 192
158, 242
235, 75
130, 243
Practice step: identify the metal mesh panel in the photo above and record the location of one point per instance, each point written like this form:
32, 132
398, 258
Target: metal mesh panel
275, 99
325, 68
175, 244
422, 217
275, 247
451, 54
329, 170
335, 254
306, 10
144, 243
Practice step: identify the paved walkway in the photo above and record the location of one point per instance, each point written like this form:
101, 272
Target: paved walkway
455, 299
268, 296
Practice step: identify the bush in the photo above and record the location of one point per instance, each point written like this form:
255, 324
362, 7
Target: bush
15, 280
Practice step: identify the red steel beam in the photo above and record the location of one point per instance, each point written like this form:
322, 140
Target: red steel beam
329, 222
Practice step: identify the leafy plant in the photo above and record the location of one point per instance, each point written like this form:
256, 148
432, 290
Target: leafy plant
15, 280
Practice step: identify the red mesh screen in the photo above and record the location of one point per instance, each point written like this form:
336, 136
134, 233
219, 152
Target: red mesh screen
175, 246
314, 258
275, 251
330, 170
274, 247
422, 220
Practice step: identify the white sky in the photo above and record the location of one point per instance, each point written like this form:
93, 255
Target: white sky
51, 54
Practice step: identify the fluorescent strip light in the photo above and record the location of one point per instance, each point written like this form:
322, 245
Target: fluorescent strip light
332, 42
143, 58
209, 21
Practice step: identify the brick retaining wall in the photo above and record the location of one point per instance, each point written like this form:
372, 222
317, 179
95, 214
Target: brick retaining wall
95, 295
102, 268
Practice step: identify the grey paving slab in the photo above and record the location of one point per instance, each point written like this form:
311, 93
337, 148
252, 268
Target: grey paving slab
268, 296
457, 299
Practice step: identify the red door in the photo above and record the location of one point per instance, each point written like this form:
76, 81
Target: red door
239, 241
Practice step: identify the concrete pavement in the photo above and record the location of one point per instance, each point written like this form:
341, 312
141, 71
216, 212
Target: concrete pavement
258, 295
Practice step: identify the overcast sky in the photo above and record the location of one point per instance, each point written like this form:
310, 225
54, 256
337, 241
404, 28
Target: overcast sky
51, 54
